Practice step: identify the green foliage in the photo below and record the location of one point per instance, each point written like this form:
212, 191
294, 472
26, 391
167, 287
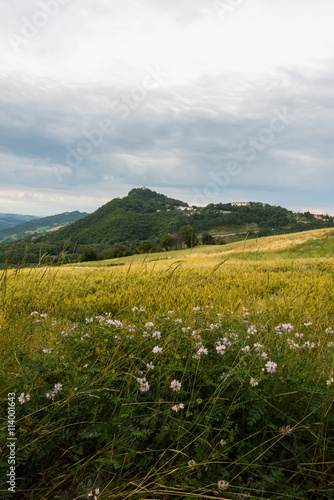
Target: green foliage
188, 235
207, 239
167, 242
145, 247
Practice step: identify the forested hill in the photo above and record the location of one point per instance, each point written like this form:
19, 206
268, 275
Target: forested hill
40, 225
121, 225
139, 215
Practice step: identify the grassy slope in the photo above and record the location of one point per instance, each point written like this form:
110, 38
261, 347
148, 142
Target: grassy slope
317, 243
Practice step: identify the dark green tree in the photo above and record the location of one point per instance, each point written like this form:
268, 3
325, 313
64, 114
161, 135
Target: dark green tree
167, 242
207, 239
145, 246
188, 235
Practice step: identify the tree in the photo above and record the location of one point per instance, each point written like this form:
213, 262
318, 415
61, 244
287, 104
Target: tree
88, 254
167, 242
207, 239
145, 247
188, 235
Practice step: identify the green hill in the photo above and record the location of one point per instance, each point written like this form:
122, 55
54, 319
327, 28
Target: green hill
121, 225
39, 226
9, 221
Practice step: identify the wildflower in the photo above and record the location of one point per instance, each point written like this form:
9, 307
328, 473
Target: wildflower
331, 380
251, 330
47, 351
286, 430
245, 311
329, 331
192, 464
144, 386
96, 491
287, 327
271, 366
308, 324
58, 387
150, 366
89, 320
149, 325
200, 350
131, 329
234, 336
34, 313
157, 349
229, 312
223, 485
130, 337
264, 355
299, 335
257, 346
253, 382
170, 312
134, 309
310, 345
24, 398
246, 348
50, 396
292, 344
142, 309
146, 335
85, 366
178, 407
64, 334
178, 320
220, 348
330, 344
175, 385
156, 335
196, 308
223, 442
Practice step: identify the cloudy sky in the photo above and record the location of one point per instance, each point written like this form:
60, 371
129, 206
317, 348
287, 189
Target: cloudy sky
202, 100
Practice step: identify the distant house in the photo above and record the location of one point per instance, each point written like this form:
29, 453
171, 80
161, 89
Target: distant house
240, 203
319, 217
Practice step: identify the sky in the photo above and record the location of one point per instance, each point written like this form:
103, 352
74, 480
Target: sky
205, 101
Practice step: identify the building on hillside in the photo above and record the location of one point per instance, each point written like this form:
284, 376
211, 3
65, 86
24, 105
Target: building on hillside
317, 216
240, 203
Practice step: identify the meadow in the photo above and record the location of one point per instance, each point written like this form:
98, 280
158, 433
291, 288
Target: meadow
204, 373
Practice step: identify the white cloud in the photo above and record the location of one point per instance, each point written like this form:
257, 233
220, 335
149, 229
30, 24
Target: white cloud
225, 79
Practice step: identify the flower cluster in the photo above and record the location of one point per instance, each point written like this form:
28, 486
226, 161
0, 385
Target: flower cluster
271, 366
143, 384
286, 430
24, 398
176, 385
96, 492
56, 389
200, 350
178, 407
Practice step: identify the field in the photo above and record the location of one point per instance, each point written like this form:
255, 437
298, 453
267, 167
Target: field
204, 373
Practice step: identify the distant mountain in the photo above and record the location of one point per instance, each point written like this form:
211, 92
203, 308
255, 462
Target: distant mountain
38, 226
8, 221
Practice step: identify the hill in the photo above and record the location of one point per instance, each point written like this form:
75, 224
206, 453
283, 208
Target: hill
120, 226
8, 221
39, 226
